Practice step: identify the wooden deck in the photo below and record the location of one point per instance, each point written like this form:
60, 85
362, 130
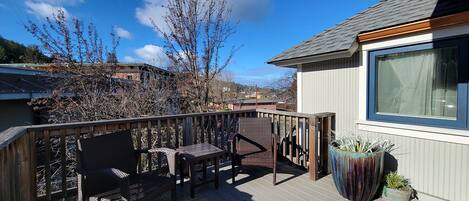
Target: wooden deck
256, 184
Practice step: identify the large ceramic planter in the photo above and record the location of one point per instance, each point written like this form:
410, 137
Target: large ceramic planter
357, 176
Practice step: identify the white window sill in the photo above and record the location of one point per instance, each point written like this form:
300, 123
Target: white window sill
423, 132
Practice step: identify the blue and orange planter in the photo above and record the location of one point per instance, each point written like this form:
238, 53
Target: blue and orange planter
357, 176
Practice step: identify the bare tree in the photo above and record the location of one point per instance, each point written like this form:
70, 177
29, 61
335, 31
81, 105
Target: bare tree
86, 89
193, 41
285, 88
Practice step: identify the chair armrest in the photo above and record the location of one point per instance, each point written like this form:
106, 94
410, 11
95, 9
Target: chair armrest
233, 136
116, 174
275, 138
232, 141
171, 156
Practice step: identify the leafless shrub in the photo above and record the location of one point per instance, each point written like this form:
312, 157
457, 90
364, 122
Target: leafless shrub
86, 89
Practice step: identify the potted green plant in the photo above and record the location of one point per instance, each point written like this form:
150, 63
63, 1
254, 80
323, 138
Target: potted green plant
397, 188
357, 166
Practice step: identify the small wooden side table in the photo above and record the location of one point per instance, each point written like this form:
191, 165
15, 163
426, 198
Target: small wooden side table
194, 154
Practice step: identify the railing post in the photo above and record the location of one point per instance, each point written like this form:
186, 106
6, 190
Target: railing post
325, 140
16, 162
187, 131
313, 162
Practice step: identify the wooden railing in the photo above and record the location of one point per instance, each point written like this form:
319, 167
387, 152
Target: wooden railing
38, 162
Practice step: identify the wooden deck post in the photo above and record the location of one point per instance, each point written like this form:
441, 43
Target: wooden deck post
313, 162
16, 164
326, 140
187, 131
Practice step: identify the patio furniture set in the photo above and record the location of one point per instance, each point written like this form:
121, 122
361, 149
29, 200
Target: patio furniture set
107, 164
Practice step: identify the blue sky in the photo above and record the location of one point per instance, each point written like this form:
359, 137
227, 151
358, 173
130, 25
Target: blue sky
266, 27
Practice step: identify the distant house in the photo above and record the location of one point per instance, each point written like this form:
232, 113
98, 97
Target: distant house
21, 83
397, 70
129, 71
246, 104
17, 87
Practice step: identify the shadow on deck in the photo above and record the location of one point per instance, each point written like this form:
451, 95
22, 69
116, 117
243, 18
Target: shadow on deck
256, 184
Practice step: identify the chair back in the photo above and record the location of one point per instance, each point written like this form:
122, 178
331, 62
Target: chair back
115, 150
258, 130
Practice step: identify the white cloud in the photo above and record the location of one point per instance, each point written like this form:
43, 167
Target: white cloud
152, 54
153, 11
244, 10
123, 33
44, 10
61, 2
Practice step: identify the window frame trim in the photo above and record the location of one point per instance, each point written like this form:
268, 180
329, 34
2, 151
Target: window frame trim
461, 122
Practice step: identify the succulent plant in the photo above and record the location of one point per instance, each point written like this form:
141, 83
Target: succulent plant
363, 145
396, 181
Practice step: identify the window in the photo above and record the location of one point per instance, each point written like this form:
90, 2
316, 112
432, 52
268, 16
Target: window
422, 84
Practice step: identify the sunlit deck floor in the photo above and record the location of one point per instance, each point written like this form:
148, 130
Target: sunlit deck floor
256, 184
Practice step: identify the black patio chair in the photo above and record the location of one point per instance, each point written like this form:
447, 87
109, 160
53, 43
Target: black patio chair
254, 145
107, 168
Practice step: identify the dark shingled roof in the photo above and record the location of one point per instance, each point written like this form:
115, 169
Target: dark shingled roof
384, 14
20, 86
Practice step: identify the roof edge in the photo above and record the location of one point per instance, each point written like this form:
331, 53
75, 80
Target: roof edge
293, 62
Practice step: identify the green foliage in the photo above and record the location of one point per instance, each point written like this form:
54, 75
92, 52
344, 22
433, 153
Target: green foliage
363, 145
13, 52
396, 181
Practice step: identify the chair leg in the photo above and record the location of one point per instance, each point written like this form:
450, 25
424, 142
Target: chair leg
181, 172
173, 194
233, 169
275, 168
275, 174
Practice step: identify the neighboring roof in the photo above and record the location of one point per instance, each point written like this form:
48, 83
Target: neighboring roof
252, 101
132, 67
16, 69
21, 86
384, 14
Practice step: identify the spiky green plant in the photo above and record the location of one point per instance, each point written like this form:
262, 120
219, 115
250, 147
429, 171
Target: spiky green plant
363, 145
396, 181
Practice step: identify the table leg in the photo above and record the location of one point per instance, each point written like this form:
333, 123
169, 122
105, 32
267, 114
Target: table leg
217, 167
204, 169
181, 171
192, 177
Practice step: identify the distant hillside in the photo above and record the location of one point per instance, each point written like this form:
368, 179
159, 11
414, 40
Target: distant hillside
13, 52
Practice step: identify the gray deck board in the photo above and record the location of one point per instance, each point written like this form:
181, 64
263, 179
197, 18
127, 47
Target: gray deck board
256, 184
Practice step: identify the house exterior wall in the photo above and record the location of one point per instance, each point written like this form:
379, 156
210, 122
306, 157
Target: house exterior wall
331, 86
253, 106
15, 113
435, 159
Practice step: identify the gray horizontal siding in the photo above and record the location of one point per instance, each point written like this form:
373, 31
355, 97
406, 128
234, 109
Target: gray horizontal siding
332, 86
